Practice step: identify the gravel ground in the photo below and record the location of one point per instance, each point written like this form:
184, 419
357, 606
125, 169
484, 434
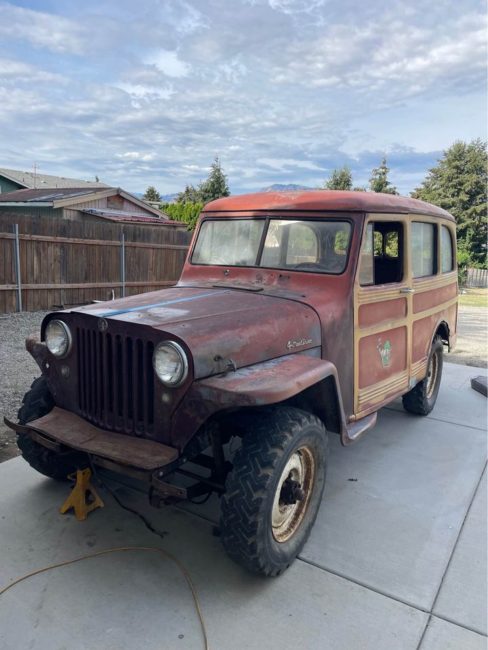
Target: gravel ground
472, 341
18, 369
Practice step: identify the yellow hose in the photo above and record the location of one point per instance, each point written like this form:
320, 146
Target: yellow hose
120, 549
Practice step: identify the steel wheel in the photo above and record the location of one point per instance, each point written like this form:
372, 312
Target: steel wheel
274, 490
432, 372
422, 397
292, 494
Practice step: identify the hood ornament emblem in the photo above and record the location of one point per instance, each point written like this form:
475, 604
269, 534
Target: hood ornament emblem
102, 325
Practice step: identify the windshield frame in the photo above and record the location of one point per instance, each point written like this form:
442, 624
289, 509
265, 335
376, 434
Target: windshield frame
281, 217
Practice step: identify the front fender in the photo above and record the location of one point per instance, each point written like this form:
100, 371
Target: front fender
262, 384
269, 382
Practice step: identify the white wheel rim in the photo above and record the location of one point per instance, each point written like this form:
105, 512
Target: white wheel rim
287, 517
432, 372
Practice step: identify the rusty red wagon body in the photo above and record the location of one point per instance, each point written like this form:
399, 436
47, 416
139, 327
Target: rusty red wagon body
310, 309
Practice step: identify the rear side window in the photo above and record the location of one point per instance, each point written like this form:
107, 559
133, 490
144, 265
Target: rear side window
447, 256
382, 253
423, 249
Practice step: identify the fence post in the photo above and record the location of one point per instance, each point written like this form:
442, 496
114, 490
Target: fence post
122, 263
17, 267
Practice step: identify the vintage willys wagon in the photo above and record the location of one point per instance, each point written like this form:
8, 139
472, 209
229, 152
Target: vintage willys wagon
296, 315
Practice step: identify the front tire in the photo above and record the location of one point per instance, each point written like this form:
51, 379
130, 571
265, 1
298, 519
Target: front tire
37, 402
274, 491
422, 398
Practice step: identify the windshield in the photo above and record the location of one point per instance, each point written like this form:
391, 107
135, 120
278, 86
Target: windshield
293, 244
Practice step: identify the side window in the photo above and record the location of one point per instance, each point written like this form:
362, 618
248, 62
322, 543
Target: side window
447, 257
423, 249
382, 253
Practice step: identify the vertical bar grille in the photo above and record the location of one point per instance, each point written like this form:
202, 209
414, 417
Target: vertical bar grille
115, 381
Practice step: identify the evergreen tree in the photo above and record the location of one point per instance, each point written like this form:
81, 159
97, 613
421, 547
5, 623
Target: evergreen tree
151, 194
458, 183
379, 180
216, 184
340, 179
190, 194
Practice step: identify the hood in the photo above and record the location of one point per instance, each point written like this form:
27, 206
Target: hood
224, 328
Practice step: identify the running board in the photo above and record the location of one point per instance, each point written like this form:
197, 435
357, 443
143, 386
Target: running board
354, 430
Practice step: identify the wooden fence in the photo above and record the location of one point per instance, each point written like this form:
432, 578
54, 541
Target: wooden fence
477, 278
47, 262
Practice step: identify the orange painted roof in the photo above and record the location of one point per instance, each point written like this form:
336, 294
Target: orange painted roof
328, 200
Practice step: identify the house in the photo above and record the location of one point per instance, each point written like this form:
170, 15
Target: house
87, 204
14, 179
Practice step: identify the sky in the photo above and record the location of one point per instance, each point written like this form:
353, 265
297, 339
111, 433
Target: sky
148, 92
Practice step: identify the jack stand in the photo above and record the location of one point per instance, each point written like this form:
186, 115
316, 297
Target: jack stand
81, 492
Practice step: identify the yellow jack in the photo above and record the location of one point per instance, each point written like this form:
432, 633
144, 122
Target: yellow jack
83, 497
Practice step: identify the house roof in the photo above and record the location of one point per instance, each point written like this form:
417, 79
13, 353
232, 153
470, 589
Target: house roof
30, 180
129, 216
325, 200
46, 194
72, 197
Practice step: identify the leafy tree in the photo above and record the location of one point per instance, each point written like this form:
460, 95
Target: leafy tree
216, 184
458, 183
359, 188
151, 194
379, 180
340, 179
186, 212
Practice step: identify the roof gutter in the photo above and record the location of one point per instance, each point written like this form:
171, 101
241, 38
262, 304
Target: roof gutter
26, 204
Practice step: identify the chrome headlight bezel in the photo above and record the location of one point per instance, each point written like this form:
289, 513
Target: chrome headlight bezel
68, 340
183, 361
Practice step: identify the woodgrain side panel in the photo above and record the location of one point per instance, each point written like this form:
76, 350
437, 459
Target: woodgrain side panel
433, 297
373, 314
382, 355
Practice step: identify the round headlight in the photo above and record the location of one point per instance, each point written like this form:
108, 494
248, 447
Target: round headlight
170, 363
58, 338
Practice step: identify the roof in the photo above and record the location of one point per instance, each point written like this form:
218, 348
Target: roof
329, 200
73, 197
46, 194
30, 180
126, 216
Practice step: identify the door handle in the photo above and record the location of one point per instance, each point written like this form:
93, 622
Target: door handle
407, 290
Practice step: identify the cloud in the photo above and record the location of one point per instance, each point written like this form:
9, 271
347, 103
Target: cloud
148, 93
167, 61
40, 29
386, 55
18, 73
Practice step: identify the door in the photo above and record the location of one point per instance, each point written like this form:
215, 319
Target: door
382, 304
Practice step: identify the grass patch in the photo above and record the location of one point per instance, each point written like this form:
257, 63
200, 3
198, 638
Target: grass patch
474, 298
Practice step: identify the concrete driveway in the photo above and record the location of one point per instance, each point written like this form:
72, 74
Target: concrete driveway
397, 558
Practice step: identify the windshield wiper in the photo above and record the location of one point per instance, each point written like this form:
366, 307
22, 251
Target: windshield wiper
241, 287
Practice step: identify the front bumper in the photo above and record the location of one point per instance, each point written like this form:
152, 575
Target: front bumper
61, 429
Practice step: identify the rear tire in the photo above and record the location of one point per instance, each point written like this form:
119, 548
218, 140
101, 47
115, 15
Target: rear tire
274, 491
421, 399
37, 402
